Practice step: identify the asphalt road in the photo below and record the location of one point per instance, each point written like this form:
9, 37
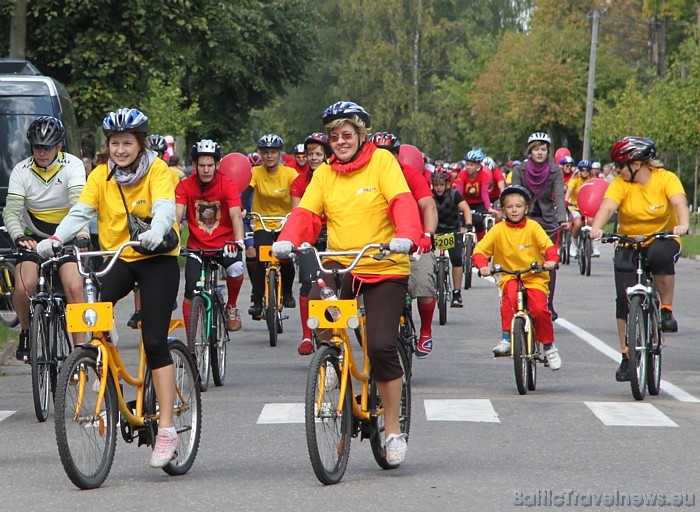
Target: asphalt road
475, 443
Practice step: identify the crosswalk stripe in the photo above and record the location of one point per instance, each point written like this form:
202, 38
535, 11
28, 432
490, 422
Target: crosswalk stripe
5, 414
479, 410
281, 413
623, 414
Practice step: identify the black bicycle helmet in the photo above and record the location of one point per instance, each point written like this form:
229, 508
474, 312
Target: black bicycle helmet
46, 131
205, 147
516, 189
125, 120
270, 141
346, 110
157, 143
440, 174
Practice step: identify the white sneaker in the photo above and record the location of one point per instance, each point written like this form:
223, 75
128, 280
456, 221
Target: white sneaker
595, 253
553, 358
396, 448
502, 348
573, 249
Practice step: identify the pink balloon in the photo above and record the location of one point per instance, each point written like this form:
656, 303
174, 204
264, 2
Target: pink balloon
237, 168
561, 153
590, 195
411, 156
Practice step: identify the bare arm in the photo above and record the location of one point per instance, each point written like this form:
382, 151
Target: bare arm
179, 210
466, 211
606, 210
680, 205
237, 221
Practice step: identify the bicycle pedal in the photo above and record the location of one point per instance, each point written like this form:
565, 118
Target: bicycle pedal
286, 317
502, 355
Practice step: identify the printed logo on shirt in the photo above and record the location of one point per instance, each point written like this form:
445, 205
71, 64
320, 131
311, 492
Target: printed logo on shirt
525, 247
138, 202
367, 189
208, 215
654, 207
280, 190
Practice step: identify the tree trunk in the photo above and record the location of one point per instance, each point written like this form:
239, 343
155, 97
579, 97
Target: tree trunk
18, 30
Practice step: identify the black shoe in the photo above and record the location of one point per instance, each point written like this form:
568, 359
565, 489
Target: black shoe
668, 323
22, 353
456, 299
555, 315
623, 372
255, 311
134, 320
288, 301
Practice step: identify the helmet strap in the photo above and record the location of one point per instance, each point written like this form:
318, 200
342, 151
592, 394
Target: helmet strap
632, 173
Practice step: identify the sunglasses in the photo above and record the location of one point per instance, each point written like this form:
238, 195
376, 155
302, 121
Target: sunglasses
346, 136
40, 147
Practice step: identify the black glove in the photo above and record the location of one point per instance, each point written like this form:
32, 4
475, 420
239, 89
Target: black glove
82, 243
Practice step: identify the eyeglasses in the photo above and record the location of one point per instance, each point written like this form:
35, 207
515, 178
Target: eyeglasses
347, 136
42, 147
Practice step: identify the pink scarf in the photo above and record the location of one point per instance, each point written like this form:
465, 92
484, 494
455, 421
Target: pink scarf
536, 175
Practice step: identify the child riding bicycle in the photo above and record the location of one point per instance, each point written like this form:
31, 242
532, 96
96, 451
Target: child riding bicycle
517, 243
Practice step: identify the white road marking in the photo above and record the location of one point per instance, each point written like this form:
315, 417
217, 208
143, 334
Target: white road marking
281, 413
479, 410
601, 346
624, 414
5, 414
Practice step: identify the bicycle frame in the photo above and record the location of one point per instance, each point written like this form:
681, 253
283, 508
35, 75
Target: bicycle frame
207, 284
271, 263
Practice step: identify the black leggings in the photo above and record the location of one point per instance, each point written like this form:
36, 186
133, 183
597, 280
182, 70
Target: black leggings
287, 270
159, 280
383, 305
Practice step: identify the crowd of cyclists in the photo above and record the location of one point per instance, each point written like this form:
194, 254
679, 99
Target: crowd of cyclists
340, 189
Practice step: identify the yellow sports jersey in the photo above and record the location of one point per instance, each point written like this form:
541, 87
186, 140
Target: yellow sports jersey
356, 204
645, 209
516, 248
104, 197
575, 184
271, 193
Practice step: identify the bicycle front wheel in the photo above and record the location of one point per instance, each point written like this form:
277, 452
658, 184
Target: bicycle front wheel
86, 440
581, 247
8, 315
443, 292
198, 340
588, 251
655, 339
520, 362
187, 410
467, 264
564, 244
328, 429
218, 350
377, 436
637, 348
43, 379
271, 306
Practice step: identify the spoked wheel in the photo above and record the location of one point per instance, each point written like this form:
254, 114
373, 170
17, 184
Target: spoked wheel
581, 254
218, 351
86, 441
467, 264
198, 340
187, 411
588, 251
564, 245
520, 362
328, 430
43, 378
271, 307
655, 339
8, 315
532, 374
637, 348
377, 436
443, 292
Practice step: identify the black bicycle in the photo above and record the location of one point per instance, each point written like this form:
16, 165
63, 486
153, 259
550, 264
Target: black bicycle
207, 337
469, 241
585, 250
407, 329
644, 336
443, 243
49, 342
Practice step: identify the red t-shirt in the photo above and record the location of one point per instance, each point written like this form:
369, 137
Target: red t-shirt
298, 186
416, 182
472, 188
208, 215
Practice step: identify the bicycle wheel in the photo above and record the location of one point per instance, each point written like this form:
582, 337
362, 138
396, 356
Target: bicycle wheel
520, 362
443, 291
637, 348
218, 350
64, 343
588, 251
86, 441
271, 306
43, 379
564, 244
655, 338
467, 264
328, 431
198, 340
8, 315
532, 372
377, 435
187, 411
580, 245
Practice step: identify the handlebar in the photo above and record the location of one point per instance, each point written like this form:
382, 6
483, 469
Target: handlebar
609, 238
382, 248
534, 268
250, 216
114, 257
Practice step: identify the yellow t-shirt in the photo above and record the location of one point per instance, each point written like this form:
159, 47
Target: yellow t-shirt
575, 184
356, 205
646, 209
104, 197
271, 193
516, 248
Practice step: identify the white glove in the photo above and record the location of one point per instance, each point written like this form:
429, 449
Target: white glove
400, 245
48, 248
282, 250
150, 240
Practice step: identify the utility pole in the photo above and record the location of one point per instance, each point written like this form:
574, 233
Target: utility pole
591, 87
18, 30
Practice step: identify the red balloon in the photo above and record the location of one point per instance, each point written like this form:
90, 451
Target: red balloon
561, 153
411, 156
590, 195
237, 168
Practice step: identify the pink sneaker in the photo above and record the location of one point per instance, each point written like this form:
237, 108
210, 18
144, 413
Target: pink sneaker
165, 449
306, 347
